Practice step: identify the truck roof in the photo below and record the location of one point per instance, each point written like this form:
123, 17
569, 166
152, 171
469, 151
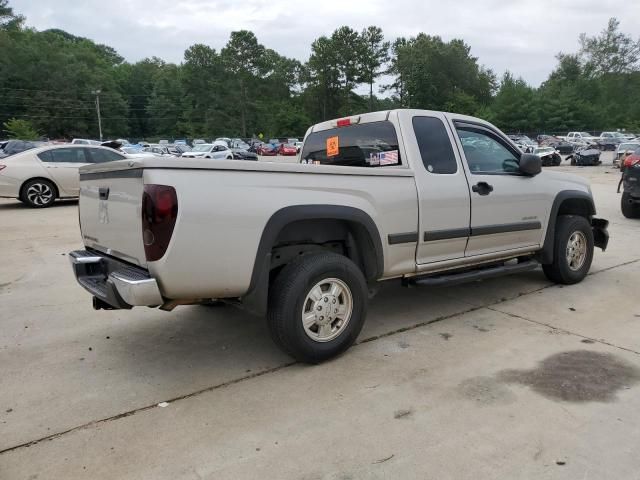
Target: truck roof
386, 114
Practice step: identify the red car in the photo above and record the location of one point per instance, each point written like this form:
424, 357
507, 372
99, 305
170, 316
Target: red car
287, 149
267, 150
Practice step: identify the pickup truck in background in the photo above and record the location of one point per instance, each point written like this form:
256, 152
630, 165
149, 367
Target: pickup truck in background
581, 138
422, 197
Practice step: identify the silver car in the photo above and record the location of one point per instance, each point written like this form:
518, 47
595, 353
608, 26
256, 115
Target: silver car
39, 176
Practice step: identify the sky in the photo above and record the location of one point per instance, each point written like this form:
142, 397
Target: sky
522, 36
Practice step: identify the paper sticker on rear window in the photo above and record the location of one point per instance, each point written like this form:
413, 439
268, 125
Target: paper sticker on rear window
389, 158
333, 146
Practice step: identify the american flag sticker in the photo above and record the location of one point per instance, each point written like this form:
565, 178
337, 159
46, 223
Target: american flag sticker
389, 158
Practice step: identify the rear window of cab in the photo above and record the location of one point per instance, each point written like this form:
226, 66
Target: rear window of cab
372, 144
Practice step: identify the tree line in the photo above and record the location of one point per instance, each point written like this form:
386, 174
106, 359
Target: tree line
49, 80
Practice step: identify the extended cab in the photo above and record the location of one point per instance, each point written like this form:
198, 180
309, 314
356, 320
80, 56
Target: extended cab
425, 197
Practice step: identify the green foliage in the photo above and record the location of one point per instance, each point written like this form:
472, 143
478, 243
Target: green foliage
22, 129
47, 80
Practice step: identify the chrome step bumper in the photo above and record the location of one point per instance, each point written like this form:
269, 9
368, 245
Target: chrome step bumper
115, 283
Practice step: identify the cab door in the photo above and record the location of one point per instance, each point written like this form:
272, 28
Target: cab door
508, 208
443, 193
62, 165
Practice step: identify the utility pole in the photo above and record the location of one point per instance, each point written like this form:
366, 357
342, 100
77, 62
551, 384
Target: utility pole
97, 94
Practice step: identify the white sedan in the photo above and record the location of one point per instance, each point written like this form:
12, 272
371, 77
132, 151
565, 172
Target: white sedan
39, 176
218, 150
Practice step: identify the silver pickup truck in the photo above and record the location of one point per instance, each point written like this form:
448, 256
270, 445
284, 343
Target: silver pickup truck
425, 197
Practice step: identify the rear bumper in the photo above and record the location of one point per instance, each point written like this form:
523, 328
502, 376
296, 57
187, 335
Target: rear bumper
115, 283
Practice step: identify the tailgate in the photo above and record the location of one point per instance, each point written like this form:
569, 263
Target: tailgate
110, 218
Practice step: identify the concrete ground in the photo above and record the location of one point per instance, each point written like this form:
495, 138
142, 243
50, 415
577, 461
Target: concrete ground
508, 378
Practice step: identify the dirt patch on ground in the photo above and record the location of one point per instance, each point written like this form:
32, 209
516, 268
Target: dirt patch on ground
577, 376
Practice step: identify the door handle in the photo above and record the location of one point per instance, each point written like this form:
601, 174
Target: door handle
482, 188
103, 193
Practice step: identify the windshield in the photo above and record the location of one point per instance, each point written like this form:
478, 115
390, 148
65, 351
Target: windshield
585, 134
201, 147
628, 146
131, 150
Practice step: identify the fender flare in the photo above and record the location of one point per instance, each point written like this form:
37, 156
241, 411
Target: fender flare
546, 255
255, 299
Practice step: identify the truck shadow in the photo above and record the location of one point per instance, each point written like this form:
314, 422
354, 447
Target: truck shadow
198, 347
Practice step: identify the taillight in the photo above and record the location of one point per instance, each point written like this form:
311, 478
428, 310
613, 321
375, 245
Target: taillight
344, 122
159, 213
631, 160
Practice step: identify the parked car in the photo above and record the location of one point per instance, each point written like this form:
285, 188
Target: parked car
267, 150
84, 141
610, 140
524, 143
562, 146
218, 150
225, 140
239, 143
623, 150
548, 156
428, 198
11, 147
179, 148
158, 149
287, 149
243, 154
198, 141
40, 175
298, 146
585, 156
630, 202
581, 137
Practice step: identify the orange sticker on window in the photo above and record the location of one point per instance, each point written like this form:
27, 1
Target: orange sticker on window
333, 146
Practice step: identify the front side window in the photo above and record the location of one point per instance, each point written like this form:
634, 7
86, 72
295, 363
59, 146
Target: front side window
485, 153
372, 144
68, 155
434, 144
99, 155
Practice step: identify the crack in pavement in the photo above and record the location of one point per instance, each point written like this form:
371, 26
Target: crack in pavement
286, 365
563, 330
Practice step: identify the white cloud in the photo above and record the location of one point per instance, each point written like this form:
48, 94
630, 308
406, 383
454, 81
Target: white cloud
522, 36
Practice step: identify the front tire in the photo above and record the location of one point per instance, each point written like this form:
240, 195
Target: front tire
572, 252
38, 193
629, 209
317, 306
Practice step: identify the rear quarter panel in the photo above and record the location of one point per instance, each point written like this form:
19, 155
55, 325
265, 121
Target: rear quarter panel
222, 214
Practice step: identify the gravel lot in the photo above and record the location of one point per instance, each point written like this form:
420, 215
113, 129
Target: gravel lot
507, 378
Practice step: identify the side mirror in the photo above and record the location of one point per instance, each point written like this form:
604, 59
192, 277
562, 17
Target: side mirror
530, 164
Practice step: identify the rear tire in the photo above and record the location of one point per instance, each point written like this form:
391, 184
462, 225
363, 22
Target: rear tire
572, 250
317, 306
38, 193
629, 209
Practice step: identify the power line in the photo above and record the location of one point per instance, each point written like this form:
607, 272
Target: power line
88, 93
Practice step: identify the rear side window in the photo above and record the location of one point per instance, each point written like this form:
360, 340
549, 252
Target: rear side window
45, 156
367, 145
99, 155
435, 146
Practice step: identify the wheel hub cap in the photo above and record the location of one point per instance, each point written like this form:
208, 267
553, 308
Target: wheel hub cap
576, 250
39, 194
327, 309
